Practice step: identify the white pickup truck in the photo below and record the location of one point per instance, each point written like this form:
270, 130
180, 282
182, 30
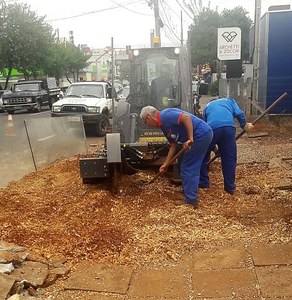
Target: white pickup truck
92, 101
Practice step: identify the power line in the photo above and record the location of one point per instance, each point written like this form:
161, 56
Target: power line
92, 12
167, 23
184, 10
122, 6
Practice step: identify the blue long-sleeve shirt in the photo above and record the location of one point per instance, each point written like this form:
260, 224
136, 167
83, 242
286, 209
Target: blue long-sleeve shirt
221, 112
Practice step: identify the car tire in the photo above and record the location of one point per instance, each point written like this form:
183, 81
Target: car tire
38, 107
10, 112
52, 100
102, 125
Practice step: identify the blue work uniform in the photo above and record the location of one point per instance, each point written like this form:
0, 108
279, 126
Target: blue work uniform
169, 121
220, 115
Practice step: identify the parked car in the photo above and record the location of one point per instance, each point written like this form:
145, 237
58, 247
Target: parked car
31, 95
90, 102
3, 92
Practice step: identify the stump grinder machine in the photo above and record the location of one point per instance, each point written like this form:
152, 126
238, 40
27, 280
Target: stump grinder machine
132, 145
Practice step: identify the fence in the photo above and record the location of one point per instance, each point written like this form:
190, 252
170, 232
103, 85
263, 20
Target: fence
35, 143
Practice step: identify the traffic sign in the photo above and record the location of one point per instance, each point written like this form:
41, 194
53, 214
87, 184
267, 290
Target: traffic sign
229, 43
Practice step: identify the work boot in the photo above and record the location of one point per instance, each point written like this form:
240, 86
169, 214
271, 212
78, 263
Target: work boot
231, 192
182, 202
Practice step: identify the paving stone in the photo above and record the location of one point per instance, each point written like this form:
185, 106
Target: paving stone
6, 283
275, 281
235, 283
223, 258
268, 254
32, 272
169, 283
100, 278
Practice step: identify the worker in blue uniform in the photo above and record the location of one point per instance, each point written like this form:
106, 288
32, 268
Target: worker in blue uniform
182, 129
220, 114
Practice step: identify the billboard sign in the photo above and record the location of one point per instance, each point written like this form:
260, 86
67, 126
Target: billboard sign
229, 43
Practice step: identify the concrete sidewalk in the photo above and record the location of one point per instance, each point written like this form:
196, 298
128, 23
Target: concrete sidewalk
256, 272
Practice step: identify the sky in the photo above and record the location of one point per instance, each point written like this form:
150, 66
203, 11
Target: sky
97, 23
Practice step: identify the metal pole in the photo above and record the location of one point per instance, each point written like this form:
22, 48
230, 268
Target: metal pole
256, 50
182, 31
113, 86
30, 147
157, 22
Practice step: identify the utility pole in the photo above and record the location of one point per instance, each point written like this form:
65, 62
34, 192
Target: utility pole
113, 84
256, 50
181, 29
157, 37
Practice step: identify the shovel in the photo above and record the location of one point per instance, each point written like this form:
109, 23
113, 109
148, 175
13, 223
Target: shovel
178, 154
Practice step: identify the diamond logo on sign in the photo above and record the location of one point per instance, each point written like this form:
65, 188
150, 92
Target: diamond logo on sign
229, 36
229, 43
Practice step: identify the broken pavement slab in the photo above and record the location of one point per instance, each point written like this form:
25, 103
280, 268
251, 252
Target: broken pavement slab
100, 278
10, 247
6, 284
270, 254
12, 253
34, 273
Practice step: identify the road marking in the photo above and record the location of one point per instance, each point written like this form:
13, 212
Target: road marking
47, 138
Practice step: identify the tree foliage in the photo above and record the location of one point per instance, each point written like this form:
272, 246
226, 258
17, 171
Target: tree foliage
28, 44
25, 41
203, 33
65, 59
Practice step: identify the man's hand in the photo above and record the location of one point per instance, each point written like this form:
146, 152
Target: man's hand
188, 144
163, 169
248, 127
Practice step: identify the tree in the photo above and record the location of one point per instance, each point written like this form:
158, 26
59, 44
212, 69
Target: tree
203, 37
76, 60
203, 33
25, 42
65, 58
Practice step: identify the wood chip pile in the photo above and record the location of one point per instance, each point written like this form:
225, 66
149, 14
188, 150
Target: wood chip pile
52, 213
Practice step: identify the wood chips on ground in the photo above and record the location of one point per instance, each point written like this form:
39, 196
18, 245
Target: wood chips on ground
52, 213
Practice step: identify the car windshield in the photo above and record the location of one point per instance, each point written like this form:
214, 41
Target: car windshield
89, 90
26, 87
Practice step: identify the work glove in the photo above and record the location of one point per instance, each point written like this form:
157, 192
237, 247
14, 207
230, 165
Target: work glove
248, 127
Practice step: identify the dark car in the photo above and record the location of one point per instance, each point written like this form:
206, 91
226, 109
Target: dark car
3, 92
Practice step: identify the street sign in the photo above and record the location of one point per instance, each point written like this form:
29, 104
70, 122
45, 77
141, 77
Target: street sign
229, 43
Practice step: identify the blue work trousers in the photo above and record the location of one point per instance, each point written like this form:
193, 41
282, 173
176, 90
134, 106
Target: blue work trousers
225, 139
190, 165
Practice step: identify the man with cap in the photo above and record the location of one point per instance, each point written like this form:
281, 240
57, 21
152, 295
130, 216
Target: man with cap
182, 129
220, 114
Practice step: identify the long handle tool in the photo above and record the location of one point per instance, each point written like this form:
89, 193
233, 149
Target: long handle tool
254, 122
178, 154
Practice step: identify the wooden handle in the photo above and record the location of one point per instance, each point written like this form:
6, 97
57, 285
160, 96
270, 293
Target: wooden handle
178, 154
